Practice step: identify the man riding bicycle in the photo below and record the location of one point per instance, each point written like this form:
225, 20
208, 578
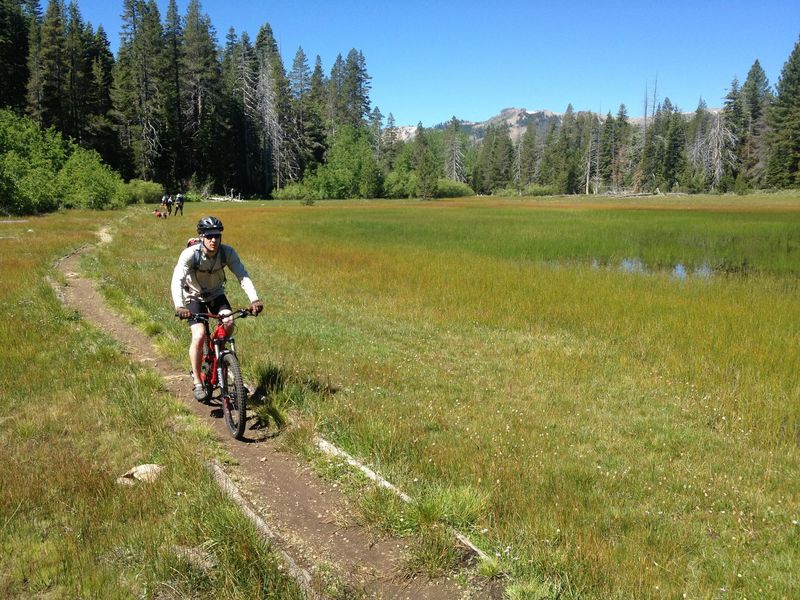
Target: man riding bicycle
198, 286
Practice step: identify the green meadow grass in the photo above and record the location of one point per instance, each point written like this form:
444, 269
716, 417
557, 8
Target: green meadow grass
76, 413
601, 433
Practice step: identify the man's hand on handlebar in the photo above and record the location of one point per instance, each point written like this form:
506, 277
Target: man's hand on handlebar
256, 307
183, 313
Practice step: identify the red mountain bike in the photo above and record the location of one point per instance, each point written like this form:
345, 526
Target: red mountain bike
219, 370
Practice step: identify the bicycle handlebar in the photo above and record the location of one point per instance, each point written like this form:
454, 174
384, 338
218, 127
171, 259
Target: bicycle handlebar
239, 313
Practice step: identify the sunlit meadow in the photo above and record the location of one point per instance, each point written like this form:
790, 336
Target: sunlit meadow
614, 384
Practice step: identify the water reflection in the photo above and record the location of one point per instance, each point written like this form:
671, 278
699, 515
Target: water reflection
638, 266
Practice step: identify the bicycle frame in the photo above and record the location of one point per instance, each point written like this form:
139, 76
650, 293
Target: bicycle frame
220, 370
217, 345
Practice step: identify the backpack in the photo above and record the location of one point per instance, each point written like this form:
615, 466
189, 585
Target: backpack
198, 254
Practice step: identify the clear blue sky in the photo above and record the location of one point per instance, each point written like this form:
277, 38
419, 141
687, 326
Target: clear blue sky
435, 59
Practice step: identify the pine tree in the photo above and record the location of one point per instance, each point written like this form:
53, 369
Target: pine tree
390, 143
529, 155
426, 167
100, 133
200, 90
783, 169
314, 127
336, 102
551, 162
454, 163
306, 91
35, 84
376, 134
300, 79
608, 149
568, 149
316, 88
13, 55
734, 114
675, 151
79, 77
173, 93
355, 89
53, 67
138, 89
756, 96
621, 165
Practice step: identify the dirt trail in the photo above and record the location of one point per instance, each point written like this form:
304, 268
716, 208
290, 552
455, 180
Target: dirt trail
310, 516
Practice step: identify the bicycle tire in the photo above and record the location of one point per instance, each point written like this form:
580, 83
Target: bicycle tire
234, 397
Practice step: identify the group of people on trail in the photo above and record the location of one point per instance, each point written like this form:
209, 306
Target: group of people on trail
198, 286
167, 204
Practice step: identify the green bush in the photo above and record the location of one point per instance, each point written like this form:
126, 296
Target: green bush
86, 182
400, 184
534, 189
29, 162
507, 191
350, 170
447, 188
144, 192
31, 186
296, 191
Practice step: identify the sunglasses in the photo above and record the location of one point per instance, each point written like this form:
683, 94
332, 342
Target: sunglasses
213, 236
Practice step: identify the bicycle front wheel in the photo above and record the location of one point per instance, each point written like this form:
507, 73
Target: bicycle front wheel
234, 396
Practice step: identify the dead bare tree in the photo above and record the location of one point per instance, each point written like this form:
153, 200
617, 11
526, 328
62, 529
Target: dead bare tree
713, 150
721, 151
264, 113
592, 158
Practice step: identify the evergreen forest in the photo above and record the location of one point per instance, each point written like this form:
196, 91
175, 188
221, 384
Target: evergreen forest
179, 110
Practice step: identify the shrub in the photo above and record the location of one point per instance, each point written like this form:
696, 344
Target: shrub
507, 191
534, 189
86, 182
30, 186
29, 161
296, 191
400, 184
350, 170
142, 192
447, 188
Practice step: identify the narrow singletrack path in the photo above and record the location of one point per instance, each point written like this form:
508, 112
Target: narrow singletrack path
311, 517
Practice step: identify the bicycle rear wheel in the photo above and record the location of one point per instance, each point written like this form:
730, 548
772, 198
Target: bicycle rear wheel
234, 396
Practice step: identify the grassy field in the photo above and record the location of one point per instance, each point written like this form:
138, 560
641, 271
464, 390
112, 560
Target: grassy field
75, 414
603, 433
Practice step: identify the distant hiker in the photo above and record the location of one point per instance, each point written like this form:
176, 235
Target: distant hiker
169, 204
198, 286
179, 204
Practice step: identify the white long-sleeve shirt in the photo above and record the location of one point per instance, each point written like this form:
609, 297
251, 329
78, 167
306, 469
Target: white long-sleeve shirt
206, 280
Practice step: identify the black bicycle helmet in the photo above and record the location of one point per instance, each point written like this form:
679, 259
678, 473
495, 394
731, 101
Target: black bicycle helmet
209, 226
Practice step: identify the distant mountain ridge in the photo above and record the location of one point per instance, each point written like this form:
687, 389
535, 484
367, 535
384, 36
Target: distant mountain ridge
516, 119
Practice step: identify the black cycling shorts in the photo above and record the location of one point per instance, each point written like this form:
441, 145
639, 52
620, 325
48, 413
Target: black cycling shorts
212, 306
